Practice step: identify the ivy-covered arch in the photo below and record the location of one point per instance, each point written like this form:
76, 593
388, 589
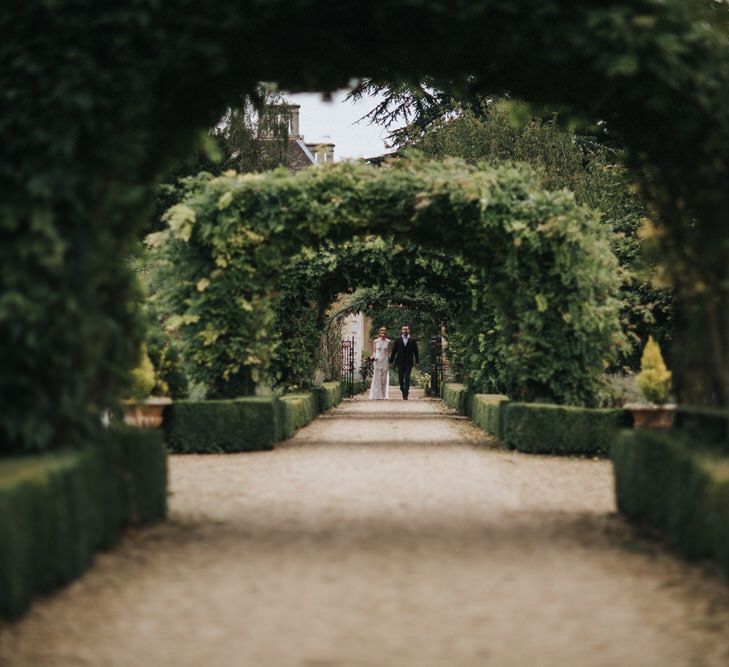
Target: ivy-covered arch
551, 275
310, 284
98, 102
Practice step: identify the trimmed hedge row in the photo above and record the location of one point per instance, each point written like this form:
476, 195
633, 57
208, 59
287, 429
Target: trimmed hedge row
298, 410
710, 426
663, 480
454, 396
538, 427
249, 424
487, 411
560, 429
237, 425
329, 394
57, 509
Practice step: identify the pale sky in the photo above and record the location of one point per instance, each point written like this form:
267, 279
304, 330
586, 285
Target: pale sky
336, 122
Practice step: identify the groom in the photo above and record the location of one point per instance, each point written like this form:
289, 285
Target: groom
404, 354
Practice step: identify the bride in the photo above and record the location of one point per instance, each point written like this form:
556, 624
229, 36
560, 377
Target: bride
380, 388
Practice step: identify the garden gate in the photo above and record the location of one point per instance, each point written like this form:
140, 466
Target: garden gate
348, 366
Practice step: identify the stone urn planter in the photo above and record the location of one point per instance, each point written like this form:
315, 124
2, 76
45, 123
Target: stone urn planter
146, 413
647, 415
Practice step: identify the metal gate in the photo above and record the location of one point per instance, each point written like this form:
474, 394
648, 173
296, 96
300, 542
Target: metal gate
348, 366
436, 368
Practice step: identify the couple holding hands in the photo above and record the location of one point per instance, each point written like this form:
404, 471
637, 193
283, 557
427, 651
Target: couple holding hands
403, 352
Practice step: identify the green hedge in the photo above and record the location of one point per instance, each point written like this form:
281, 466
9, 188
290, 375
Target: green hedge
558, 429
298, 410
57, 509
329, 394
710, 426
454, 396
244, 424
487, 411
664, 480
236, 425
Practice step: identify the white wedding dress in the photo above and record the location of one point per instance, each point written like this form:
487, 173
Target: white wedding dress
380, 388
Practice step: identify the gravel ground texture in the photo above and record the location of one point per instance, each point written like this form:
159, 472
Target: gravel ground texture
385, 534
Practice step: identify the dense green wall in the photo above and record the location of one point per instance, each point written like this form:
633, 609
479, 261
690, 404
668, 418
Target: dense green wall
99, 102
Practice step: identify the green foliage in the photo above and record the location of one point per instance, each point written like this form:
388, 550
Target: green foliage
164, 353
329, 395
57, 509
251, 137
709, 425
298, 410
243, 425
103, 101
669, 481
487, 412
546, 260
654, 379
313, 281
455, 396
143, 376
498, 131
556, 429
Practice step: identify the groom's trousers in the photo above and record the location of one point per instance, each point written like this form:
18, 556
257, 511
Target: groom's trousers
403, 376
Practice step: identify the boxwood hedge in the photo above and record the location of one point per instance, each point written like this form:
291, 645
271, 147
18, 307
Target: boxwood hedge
487, 411
57, 509
297, 410
560, 429
328, 395
674, 483
247, 424
454, 396
236, 425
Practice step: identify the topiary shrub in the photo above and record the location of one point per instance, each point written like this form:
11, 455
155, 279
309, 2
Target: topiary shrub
654, 379
167, 361
143, 376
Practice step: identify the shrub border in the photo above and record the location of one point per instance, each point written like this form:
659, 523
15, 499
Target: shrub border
539, 428
250, 424
671, 482
58, 509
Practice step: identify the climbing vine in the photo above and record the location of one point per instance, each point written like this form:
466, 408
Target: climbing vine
547, 262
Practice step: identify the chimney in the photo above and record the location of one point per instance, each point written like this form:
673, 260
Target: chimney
294, 126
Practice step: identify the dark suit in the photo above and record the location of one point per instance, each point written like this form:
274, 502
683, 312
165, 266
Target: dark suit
404, 356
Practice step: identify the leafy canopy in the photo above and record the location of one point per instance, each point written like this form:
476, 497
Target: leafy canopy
545, 259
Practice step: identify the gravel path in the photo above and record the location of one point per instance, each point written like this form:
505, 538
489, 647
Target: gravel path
386, 534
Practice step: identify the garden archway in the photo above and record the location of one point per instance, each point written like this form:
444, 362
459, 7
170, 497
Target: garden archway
102, 101
547, 261
310, 284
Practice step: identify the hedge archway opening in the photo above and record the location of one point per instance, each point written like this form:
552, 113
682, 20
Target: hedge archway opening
313, 282
546, 261
100, 102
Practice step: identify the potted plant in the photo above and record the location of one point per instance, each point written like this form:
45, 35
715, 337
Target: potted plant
143, 410
654, 382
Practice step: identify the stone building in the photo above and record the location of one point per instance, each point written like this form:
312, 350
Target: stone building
302, 154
